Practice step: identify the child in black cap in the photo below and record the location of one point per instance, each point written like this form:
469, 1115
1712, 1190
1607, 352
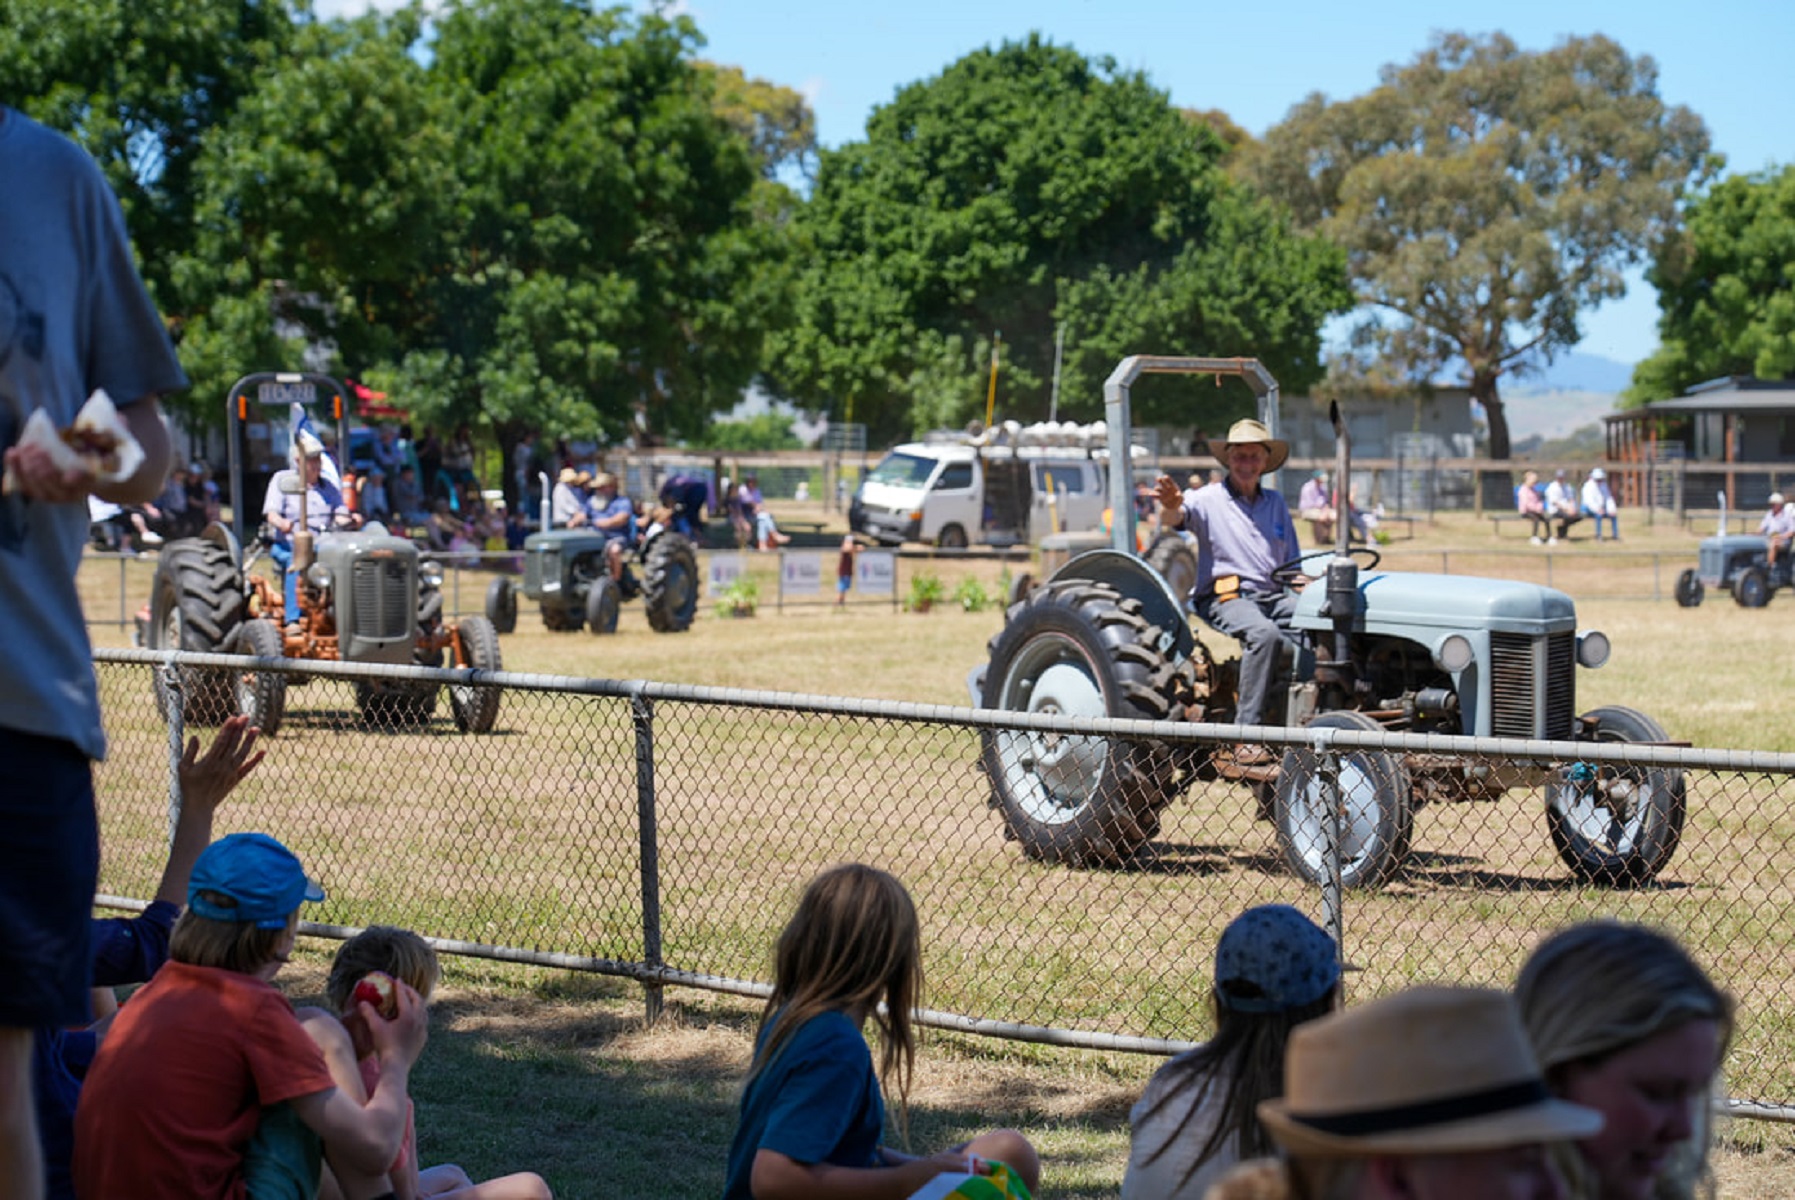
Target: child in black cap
208, 1056
1274, 970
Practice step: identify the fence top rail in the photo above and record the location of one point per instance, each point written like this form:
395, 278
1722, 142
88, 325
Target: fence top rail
1318, 739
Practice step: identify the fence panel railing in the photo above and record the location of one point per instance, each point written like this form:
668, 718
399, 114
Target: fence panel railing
660, 832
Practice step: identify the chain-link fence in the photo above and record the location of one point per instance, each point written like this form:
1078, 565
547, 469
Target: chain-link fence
662, 832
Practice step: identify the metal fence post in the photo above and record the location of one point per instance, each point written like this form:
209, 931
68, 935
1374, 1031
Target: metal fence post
642, 716
1332, 894
177, 734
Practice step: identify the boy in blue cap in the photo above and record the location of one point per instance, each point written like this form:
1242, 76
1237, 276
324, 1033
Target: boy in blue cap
183, 1082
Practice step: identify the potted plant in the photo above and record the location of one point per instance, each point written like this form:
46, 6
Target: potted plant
740, 598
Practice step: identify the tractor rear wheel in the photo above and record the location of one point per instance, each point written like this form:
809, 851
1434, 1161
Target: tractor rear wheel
1689, 589
670, 583
476, 708
501, 604
1176, 563
1613, 823
262, 695
1080, 649
196, 603
1752, 588
1373, 801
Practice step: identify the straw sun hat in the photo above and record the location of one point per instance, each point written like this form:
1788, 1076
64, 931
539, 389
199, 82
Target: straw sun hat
1248, 432
1432, 1070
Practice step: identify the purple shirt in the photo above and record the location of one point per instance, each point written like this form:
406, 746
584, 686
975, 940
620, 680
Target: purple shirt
1237, 536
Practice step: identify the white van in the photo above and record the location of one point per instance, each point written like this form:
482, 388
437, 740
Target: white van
955, 495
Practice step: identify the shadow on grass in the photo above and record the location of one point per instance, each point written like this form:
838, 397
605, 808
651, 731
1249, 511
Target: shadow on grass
1200, 859
1429, 868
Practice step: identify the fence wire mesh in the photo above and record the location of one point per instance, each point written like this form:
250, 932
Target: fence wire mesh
665, 831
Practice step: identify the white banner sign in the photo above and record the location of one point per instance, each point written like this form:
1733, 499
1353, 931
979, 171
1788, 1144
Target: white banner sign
875, 572
800, 572
725, 570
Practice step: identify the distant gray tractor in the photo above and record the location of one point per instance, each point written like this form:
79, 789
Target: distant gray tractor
1106, 635
1738, 563
565, 573
364, 596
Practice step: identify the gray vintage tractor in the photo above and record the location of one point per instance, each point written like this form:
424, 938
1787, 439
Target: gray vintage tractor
364, 596
564, 572
1106, 636
1738, 563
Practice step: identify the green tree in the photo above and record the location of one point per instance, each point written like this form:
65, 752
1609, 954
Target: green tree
1488, 196
763, 431
608, 275
776, 121
1726, 289
1026, 188
325, 207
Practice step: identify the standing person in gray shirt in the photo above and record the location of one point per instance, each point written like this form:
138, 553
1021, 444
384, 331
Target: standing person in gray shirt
1243, 532
74, 317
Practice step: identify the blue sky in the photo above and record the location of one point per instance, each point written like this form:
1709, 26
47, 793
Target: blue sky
1728, 60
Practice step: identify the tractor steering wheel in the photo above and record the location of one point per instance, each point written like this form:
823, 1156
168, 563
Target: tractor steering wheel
1285, 574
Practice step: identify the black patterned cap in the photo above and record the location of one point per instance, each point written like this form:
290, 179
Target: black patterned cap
1273, 958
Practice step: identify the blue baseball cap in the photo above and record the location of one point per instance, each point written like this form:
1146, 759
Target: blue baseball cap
1273, 958
261, 875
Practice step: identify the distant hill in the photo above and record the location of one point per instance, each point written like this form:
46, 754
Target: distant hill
1575, 392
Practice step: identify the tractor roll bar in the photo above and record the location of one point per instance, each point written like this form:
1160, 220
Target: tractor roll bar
1116, 416
276, 390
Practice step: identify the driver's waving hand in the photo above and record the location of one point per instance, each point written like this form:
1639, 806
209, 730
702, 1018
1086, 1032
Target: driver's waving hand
1244, 532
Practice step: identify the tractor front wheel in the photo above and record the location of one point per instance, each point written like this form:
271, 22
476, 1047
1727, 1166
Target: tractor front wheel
501, 604
1689, 589
1370, 799
1614, 823
262, 695
476, 708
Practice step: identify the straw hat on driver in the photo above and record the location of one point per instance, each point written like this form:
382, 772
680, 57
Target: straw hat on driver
1433, 1070
1246, 432
568, 475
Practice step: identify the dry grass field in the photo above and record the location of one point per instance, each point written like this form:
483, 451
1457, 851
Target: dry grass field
495, 839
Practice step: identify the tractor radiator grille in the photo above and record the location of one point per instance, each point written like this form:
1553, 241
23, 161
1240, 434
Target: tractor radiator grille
1533, 685
383, 605
542, 570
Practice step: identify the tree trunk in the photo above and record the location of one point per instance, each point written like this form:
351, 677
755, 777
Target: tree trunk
1484, 391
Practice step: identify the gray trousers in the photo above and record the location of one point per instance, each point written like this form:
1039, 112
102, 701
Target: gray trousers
1260, 622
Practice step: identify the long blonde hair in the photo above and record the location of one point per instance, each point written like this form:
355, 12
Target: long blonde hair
1599, 987
852, 945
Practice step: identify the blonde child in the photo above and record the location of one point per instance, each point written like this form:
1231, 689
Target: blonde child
410, 960
812, 1111
209, 1056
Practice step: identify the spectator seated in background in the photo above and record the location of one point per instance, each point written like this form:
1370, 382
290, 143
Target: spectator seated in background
766, 530
1561, 507
118, 526
445, 534
458, 460
1598, 502
407, 958
127, 950
1625, 1022
1429, 1094
1316, 506
252, 1091
408, 498
375, 505
1530, 503
1274, 970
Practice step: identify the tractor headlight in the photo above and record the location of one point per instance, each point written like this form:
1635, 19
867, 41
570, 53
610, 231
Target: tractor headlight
1592, 648
318, 575
1455, 653
430, 573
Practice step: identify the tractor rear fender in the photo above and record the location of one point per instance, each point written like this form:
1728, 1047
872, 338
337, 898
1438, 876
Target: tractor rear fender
1135, 580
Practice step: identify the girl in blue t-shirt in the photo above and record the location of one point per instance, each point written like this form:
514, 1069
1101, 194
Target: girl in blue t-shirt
812, 1112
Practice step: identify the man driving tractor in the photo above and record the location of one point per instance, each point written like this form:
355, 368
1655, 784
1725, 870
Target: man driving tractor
324, 509
1243, 533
